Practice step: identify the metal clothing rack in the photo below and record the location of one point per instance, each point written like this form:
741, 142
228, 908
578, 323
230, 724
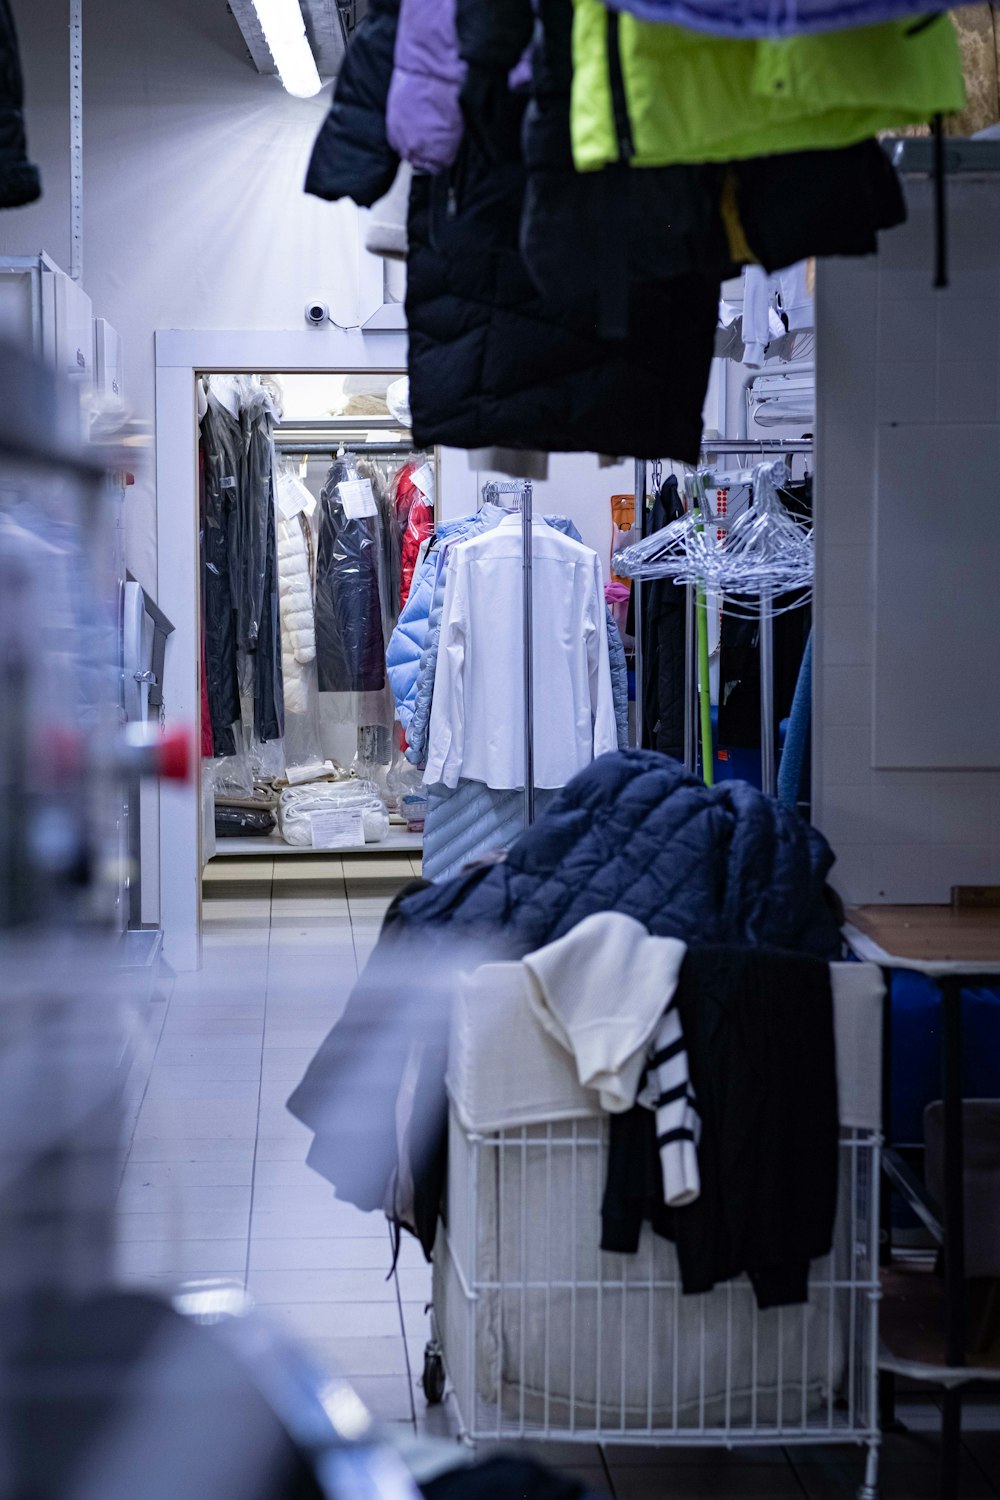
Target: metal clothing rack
494, 492
331, 450
775, 447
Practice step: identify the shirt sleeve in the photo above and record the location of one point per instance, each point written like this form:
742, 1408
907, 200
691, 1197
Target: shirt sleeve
602, 699
446, 736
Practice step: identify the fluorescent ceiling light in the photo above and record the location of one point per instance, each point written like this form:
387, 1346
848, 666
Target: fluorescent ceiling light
285, 34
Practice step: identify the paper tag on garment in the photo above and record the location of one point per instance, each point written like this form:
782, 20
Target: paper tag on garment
341, 829
357, 498
288, 500
293, 499
227, 482
423, 478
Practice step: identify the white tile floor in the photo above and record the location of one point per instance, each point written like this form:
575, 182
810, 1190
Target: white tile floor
215, 1183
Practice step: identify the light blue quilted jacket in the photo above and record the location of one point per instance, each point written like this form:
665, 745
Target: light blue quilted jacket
407, 642
619, 680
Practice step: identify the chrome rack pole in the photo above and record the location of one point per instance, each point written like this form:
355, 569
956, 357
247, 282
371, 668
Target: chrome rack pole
640, 521
690, 681
529, 675
767, 769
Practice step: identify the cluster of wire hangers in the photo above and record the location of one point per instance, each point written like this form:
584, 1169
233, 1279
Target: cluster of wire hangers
763, 553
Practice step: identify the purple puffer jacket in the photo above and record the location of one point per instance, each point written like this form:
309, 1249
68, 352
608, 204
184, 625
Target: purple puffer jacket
423, 115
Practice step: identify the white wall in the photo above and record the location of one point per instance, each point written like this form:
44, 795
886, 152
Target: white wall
909, 449
576, 487
194, 214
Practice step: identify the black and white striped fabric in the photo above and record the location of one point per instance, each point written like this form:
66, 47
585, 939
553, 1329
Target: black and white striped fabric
678, 1124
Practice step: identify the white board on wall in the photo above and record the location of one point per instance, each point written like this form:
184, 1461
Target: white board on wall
937, 598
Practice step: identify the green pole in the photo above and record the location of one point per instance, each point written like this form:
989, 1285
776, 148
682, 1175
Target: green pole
704, 693
704, 681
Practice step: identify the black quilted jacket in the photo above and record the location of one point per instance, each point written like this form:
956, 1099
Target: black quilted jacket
492, 362
352, 157
19, 180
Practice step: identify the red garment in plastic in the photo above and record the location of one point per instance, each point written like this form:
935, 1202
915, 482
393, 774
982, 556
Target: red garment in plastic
415, 515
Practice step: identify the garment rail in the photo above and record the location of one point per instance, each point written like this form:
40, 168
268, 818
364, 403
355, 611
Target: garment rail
331, 450
707, 477
500, 492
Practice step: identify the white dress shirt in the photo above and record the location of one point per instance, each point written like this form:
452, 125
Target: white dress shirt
477, 714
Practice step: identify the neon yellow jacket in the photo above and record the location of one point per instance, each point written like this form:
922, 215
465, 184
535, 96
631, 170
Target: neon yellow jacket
655, 94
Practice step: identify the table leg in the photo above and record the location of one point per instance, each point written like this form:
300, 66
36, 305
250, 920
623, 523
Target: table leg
954, 1228
886, 1379
951, 1443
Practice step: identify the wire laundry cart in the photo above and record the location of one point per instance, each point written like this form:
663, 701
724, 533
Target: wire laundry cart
542, 1335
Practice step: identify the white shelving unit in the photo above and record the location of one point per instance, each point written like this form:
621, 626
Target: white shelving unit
396, 841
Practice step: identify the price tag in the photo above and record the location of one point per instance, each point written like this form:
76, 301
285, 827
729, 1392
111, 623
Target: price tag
338, 829
357, 498
227, 482
423, 478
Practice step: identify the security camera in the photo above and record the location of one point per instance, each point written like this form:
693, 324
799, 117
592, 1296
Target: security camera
317, 313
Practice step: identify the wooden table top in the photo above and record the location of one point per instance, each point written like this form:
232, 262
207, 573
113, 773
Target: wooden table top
927, 937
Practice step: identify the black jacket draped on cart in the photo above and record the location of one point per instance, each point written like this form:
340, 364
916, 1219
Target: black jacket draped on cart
758, 1029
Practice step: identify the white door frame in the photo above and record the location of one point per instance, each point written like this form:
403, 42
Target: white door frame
180, 356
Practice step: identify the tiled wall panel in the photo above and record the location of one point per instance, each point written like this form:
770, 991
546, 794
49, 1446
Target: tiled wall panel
909, 814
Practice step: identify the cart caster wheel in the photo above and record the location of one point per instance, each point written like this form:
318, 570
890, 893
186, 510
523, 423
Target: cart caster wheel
433, 1381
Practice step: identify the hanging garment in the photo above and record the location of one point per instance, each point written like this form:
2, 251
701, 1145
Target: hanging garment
491, 364
350, 650
268, 687
415, 519
652, 94
407, 642
586, 237
619, 680
793, 769
479, 686
773, 306
254, 515
764, 19
207, 744
469, 822
221, 446
295, 597
423, 114
419, 723
385, 231
19, 179
663, 642
391, 560
758, 1027
352, 157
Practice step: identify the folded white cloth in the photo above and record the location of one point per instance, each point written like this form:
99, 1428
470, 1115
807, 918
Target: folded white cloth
605, 991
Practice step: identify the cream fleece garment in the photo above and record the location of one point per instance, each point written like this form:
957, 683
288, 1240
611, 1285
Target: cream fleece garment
605, 992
